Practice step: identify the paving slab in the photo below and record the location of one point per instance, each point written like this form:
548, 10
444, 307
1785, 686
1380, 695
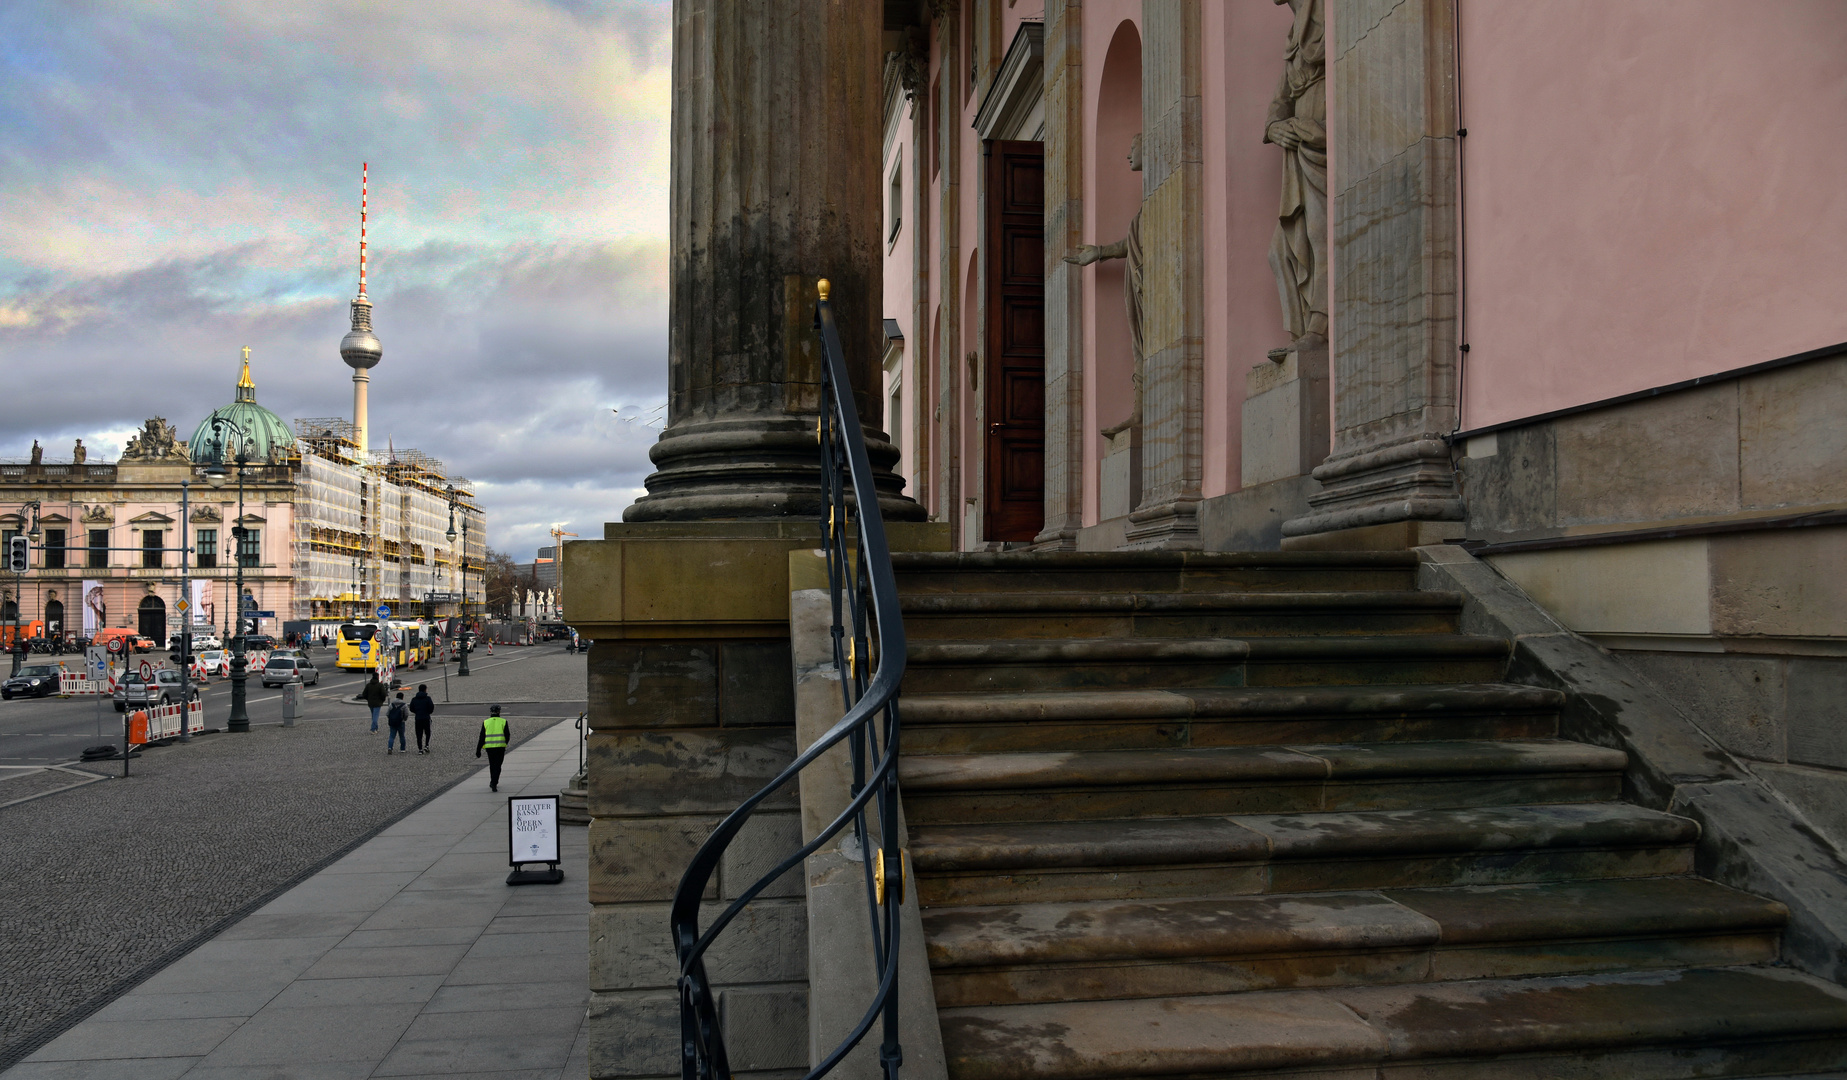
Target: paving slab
409, 956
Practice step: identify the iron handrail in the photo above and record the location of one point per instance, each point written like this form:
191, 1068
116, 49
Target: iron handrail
866, 625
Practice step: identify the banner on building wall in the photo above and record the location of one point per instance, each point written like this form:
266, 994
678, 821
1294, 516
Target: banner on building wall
95, 612
202, 603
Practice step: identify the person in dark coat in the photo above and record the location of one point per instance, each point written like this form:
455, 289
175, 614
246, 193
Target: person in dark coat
423, 706
374, 693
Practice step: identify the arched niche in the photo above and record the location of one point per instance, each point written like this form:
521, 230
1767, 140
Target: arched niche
1118, 110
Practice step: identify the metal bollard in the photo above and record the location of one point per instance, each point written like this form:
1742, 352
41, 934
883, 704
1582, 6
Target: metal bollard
291, 701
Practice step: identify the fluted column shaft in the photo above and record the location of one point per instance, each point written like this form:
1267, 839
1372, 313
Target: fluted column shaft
776, 142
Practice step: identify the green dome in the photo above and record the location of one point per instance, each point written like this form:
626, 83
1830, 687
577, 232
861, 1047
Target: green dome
265, 429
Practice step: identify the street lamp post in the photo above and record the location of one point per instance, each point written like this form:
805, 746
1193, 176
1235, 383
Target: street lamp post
185, 606
239, 719
19, 581
462, 668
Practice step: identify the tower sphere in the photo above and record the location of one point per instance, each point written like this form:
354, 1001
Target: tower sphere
360, 347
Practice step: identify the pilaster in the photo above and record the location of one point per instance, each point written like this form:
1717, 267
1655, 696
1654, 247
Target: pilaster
1173, 300
1064, 283
1393, 130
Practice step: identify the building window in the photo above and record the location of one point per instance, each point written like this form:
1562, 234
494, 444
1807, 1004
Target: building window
54, 549
99, 548
897, 199
249, 544
152, 548
894, 421
206, 548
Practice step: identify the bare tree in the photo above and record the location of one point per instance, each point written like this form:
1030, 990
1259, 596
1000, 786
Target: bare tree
502, 578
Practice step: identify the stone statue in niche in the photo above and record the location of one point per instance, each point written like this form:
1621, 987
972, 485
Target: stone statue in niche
1129, 248
38, 453
79, 454
1298, 124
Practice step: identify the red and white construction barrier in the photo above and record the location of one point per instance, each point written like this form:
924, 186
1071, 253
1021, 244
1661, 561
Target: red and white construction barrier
70, 685
164, 720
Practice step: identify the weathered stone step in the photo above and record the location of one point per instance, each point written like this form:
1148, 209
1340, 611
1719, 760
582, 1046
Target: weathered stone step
934, 667
1288, 853
1088, 663
1188, 614
1708, 1022
1090, 785
1345, 661
1010, 953
1224, 716
1152, 571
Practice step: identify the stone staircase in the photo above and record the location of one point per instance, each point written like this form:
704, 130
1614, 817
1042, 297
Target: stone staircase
1271, 815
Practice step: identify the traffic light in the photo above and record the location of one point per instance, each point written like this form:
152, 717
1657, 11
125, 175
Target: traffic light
18, 550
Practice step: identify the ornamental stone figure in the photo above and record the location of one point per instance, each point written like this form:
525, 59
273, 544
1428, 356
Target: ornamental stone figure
1298, 124
38, 453
1129, 248
79, 454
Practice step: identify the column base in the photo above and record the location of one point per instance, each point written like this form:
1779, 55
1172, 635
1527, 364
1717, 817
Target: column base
1409, 481
754, 469
1170, 526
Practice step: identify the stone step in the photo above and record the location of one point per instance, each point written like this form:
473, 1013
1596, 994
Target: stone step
1653, 1025
1243, 854
1095, 573
935, 667
944, 789
1225, 716
1011, 953
1346, 661
1169, 614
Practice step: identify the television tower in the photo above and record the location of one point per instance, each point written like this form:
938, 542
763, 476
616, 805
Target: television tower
360, 348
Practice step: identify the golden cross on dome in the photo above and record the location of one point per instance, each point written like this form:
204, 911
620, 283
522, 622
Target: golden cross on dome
246, 354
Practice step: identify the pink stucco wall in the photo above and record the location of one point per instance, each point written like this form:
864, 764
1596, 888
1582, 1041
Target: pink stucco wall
1653, 190
1242, 181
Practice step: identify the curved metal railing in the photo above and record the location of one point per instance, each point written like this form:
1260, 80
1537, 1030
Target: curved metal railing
867, 634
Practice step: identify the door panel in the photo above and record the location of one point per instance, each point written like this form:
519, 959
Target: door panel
1014, 379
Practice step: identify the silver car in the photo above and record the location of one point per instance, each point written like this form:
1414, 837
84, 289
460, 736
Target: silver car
162, 689
282, 669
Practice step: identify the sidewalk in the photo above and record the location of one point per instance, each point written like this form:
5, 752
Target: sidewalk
411, 956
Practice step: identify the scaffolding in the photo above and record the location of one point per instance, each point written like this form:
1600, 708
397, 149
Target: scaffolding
371, 529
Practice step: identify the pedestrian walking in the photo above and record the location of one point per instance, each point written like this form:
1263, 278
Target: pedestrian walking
374, 693
423, 706
494, 736
394, 724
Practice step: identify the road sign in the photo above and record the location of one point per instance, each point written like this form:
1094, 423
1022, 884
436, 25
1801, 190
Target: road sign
183, 606
147, 671
115, 645
384, 612
365, 648
259, 614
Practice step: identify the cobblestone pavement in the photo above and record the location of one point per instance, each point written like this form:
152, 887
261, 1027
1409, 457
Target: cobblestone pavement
109, 881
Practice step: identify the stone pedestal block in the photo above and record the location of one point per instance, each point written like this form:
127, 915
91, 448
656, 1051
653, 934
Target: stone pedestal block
1285, 416
1120, 480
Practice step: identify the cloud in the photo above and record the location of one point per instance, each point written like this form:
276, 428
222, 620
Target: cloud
179, 180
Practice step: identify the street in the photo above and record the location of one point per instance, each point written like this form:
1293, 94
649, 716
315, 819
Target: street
130, 871
38, 732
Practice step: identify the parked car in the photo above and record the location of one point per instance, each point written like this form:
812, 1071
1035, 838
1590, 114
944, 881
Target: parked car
259, 642
199, 641
282, 669
33, 680
214, 661
162, 689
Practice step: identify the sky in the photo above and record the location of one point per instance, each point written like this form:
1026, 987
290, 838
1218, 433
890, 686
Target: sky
181, 178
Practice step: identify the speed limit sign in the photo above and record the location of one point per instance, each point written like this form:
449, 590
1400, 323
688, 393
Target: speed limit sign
115, 645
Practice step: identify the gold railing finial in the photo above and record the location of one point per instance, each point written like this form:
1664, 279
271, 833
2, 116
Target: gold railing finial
823, 287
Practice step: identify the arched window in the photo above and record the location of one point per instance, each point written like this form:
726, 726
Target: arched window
54, 618
153, 620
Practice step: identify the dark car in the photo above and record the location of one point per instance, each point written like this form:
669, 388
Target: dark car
33, 680
259, 642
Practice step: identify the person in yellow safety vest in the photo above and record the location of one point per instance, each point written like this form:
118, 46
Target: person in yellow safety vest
494, 737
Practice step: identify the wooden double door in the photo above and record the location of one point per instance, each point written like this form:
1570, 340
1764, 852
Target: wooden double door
1013, 379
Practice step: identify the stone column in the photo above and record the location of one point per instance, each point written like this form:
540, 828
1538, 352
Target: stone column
1393, 132
1173, 282
1065, 438
776, 183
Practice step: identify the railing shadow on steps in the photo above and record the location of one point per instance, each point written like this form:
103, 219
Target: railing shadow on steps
867, 633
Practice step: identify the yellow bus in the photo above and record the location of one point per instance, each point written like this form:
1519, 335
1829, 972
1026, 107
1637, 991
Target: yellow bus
359, 643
